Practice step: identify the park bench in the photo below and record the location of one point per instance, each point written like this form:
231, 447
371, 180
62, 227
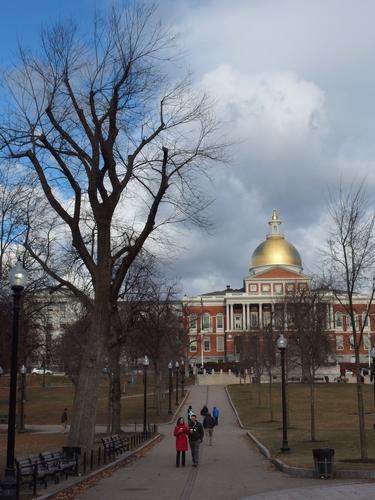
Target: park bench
57, 460
3, 419
115, 444
28, 472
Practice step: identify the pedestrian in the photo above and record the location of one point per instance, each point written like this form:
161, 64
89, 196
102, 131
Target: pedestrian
215, 414
181, 432
208, 425
204, 411
189, 413
64, 419
196, 434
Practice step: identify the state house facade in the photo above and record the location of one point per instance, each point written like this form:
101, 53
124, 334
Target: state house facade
216, 321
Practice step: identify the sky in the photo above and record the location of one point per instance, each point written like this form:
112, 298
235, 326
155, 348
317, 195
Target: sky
293, 83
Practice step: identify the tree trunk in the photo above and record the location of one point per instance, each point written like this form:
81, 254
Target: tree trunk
312, 408
82, 430
116, 391
270, 402
360, 403
157, 376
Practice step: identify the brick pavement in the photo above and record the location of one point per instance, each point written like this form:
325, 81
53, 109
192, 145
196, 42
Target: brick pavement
229, 470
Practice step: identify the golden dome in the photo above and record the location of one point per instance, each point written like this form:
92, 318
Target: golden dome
275, 250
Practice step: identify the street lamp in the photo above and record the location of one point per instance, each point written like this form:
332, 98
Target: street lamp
145, 366
182, 378
177, 366
281, 344
21, 426
17, 280
373, 376
170, 388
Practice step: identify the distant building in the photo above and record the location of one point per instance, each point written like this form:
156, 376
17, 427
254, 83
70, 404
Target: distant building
215, 321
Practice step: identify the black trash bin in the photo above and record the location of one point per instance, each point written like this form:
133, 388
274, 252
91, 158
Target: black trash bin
323, 462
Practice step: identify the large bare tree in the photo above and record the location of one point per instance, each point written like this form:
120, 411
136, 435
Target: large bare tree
119, 145
351, 257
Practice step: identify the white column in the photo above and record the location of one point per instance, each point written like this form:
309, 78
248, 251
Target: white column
248, 315
231, 317
243, 317
227, 318
260, 315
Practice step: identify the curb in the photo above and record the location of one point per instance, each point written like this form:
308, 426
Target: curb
81, 479
297, 471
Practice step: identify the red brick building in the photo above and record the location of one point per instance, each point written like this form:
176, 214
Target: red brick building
216, 320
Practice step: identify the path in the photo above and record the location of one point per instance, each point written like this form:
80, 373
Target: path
229, 470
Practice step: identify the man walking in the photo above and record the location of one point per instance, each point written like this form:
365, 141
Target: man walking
208, 425
196, 434
64, 419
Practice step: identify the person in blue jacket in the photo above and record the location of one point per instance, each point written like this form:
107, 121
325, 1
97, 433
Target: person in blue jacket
215, 414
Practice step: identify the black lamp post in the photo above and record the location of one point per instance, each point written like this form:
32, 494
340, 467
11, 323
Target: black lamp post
21, 427
170, 388
281, 344
177, 366
182, 378
373, 376
17, 279
145, 366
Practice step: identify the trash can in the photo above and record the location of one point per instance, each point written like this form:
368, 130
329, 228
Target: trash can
323, 462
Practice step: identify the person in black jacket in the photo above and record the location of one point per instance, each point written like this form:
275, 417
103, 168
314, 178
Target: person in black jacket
204, 411
208, 425
196, 434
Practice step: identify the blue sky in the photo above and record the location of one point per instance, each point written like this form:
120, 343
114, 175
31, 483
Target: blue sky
294, 86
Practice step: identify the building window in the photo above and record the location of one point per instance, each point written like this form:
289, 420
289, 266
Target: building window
238, 322
365, 320
278, 288
338, 319
193, 322
266, 288
351, 340
290, 287
206, 321
253, 288
366, 342
206, 344
219, 322
267, 316
254, 317
220, 343
339, 342
193, 346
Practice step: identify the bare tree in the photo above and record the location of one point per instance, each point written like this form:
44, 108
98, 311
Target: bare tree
351, 258
119, 152
158, 331
308, 337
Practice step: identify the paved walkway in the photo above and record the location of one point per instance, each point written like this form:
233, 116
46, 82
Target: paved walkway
229, 470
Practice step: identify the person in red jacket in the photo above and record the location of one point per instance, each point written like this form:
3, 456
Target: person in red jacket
181, 431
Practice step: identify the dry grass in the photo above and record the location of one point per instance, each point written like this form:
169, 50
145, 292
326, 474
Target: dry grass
44, 405
336, 421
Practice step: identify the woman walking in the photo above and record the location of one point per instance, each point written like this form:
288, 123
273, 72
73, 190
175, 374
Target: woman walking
181, 432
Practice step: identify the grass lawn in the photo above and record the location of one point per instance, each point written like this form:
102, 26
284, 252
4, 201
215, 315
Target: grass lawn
336, 421
45, 405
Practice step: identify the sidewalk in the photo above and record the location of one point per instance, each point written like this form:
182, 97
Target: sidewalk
229, 470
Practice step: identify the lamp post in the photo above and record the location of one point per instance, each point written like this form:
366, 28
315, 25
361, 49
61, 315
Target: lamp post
17, 280
145, 366
21, 427
170, 388
182, 378
177, 366
373, 376
281, 344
